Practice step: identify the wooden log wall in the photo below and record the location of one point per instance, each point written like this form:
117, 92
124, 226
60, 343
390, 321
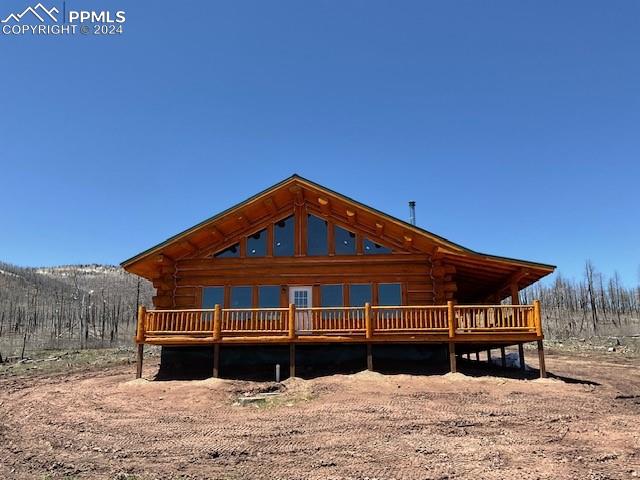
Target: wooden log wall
180, 285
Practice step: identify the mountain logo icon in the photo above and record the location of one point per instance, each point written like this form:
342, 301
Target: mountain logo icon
39, 11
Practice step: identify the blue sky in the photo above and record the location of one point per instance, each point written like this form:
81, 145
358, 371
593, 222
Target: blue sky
514, 125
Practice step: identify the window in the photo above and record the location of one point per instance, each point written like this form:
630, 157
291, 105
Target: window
212, 296
232, 251
345, 241
283, 237
241, 297
269, 296
359, 295
301, 298
257, 244
389, 294
372, 248
331, 295
316, 236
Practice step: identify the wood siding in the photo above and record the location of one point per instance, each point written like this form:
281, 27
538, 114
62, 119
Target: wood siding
422, 284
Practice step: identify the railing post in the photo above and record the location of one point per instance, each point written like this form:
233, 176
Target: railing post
142, 316
537, 318
452, 318
292, 321
217, 322
367, 320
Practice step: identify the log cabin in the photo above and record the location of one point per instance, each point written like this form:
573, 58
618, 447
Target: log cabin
300, 264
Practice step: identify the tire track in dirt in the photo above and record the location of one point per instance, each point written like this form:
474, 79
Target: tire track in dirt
339, 427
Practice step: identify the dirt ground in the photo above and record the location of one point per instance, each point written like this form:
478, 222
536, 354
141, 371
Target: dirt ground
100, 424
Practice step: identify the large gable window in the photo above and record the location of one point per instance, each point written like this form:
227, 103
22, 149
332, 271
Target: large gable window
372, 248
316, 236
229, 252
284, 237
257, 244
345, 241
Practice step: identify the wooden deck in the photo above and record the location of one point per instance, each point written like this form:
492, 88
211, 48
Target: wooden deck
369, 324
469, 326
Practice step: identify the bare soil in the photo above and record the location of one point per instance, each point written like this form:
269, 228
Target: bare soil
98, 423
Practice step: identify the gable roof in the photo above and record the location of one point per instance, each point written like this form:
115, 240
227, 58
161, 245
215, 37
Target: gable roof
460, 256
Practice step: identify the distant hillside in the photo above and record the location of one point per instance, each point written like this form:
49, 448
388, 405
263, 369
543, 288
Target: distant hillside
69, 306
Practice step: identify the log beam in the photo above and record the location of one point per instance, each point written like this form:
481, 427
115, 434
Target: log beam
243, 221
292, 360
351, 216
452, 357
139, 358
543, 368
216, 360
271, 206
217, 235
521, 356
325, 206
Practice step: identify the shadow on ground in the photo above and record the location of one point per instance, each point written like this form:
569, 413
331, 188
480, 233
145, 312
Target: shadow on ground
258, 363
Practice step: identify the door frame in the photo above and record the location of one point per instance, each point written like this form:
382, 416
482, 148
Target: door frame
303, 319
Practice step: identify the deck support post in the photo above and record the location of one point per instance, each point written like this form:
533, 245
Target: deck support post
489, 356
503, 357
521, 355
292, 360
543, 369
452, 357
139, 360
216, 360
477, 356
369, 357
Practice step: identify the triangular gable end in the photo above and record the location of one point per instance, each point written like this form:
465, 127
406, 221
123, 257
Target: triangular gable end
299, 196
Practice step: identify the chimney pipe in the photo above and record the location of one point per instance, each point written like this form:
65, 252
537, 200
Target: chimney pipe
412, 212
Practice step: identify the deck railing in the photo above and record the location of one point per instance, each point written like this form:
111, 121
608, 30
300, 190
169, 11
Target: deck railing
158, 322
368, 321
410, 319
328, 320
481, 318
258, 321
